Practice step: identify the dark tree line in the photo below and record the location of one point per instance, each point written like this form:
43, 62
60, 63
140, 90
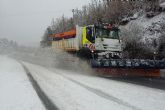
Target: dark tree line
107, 11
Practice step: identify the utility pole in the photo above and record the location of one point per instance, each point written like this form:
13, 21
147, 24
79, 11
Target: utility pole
73, 11
53, 24
107, 2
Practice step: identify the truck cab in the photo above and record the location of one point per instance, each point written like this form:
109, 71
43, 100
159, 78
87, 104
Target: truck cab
104, 39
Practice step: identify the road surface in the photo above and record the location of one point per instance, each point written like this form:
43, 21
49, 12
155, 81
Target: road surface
57, 89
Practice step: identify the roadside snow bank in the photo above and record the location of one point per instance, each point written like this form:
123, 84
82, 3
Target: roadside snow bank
16, 91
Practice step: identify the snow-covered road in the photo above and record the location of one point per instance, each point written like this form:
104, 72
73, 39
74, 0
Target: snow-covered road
73, 91
68, 95
69, 90
127, 94
16, 91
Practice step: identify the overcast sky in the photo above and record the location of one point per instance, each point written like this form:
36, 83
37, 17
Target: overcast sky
25, 21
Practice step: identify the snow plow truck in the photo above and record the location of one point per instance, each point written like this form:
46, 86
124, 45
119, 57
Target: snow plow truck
101, 44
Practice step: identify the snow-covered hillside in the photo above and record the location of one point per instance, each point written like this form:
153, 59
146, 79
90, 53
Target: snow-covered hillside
152, 28
144, 35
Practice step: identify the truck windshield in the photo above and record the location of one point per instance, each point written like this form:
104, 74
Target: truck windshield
89, 34
106, 33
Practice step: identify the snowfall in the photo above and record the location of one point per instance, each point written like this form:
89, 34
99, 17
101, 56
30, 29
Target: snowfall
70, 90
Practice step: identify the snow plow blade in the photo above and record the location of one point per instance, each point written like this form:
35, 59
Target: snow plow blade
128, 63
120, 72
128, 67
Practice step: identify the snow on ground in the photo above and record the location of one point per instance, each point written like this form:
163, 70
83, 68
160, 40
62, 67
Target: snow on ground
139, 96
68, 95
72, 91
16, 91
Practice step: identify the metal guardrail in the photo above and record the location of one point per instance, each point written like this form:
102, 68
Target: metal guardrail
128, 63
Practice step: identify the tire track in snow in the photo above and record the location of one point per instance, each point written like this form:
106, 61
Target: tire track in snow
49, 105
103, 94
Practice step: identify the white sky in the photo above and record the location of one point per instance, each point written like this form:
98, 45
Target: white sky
25, 21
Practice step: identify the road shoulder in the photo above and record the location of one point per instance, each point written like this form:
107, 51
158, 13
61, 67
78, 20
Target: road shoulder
16, 91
